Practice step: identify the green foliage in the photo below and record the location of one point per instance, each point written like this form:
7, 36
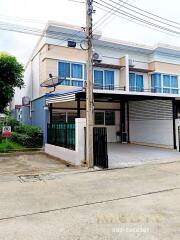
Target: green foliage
29, 136
11, 76
25, 135
8, 146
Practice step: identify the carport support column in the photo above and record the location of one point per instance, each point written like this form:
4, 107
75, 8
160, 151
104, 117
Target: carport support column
50, 113
78, 107
122, 119
174, 121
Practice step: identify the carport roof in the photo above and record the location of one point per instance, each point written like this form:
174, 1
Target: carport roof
101, 96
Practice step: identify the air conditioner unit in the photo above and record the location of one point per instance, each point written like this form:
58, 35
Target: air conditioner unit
97, 57
25, 101
131, 62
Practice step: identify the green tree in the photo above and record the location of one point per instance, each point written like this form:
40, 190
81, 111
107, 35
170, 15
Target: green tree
11, 76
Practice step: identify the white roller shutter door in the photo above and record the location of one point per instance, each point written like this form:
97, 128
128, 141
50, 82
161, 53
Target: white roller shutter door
151, 122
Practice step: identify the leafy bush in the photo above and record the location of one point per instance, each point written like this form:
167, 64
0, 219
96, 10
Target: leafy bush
26, 135
26, 140
10, 121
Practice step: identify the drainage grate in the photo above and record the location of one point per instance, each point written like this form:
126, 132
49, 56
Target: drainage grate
30, 178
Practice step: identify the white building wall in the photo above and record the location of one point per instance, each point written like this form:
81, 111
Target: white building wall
35, 77
24, 91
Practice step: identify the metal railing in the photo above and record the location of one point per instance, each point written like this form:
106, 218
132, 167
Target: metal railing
62, 135
137, 89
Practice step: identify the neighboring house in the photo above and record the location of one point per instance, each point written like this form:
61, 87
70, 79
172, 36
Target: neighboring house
136, 87
17, 112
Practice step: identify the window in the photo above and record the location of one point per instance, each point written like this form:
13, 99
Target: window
99, 118
170, 84
164, 83
98, 79
64, 70
109, 79
104, 118
156, 83
104, 79
74, 73
109, 118
59, 117
77, 83
135, 82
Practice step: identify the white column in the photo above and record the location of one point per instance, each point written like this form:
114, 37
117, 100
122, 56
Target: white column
80, 136
127, 72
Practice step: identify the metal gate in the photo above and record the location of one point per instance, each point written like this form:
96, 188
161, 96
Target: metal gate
100, 147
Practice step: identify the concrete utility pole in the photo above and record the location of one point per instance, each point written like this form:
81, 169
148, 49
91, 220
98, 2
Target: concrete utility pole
89, 86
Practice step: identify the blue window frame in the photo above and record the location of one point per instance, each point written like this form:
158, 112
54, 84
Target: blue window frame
156, 83
170, 84
109, 79
64, 70
135, 82
76, 70
164, 83
77, 83
104, 79
98, 79
74, 73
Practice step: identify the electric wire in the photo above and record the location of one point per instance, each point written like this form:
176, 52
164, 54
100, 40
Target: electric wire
108, 19
141, 14
134, 17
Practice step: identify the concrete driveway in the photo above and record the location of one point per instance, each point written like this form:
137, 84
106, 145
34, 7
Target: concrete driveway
126, 155
129, 204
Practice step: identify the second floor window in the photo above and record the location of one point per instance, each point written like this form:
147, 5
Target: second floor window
164, 83
135, 82
71, 74
170, 84
104, 79
156, 83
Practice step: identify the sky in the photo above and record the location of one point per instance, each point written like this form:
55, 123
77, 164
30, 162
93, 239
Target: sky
21, 45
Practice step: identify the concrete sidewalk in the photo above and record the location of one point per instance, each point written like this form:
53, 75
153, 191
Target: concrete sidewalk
133, 203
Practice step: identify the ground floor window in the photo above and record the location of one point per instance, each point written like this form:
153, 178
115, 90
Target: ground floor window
63, 117
104, 118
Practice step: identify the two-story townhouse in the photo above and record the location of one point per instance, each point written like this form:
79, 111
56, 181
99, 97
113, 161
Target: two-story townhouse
136, 87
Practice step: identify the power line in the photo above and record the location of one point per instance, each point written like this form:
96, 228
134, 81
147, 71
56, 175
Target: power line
37, 32
160, 17
106, 22
134, 17
103, 19
143, 14
139, 23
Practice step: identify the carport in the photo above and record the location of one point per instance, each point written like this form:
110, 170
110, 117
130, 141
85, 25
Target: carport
126, 155
143, 124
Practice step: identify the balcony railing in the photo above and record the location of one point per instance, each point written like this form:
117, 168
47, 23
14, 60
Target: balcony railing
137, 89
108, 87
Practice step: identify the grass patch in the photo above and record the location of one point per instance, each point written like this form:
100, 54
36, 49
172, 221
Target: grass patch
10, 146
